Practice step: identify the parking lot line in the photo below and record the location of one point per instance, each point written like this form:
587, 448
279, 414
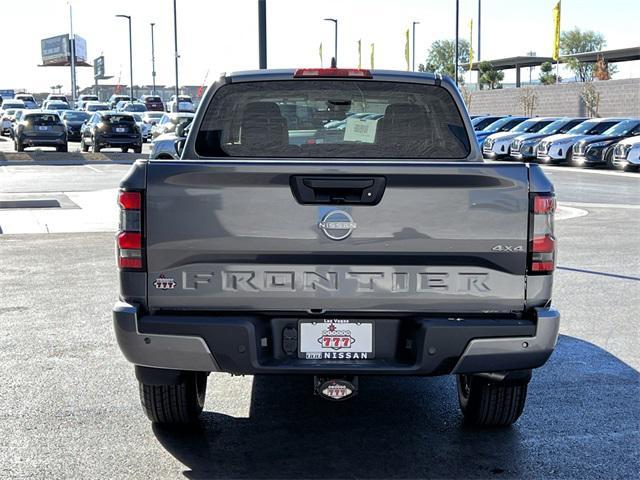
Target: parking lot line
590, 171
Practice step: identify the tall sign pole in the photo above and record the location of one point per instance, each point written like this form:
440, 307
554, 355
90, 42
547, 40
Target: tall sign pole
413, 59
72, 49
175, 42
479, 29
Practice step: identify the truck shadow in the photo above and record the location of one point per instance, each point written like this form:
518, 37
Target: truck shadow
580, 421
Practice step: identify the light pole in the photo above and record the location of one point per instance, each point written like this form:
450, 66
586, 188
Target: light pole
128, 17
153, 61
335, 51
262, 34
479, 33
455, 73
413, 61
72, 48
175, 42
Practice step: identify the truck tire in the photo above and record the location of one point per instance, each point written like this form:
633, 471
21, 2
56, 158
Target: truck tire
490, 404
175, 404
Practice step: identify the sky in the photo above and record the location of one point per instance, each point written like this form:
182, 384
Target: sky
215, 36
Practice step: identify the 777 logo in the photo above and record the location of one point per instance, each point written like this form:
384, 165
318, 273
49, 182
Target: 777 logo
336, 339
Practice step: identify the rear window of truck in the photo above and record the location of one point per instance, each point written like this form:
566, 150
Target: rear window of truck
332, 118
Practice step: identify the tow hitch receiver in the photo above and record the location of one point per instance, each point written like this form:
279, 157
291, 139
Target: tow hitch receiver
339, 388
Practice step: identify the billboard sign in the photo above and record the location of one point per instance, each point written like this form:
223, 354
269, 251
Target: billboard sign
81, 49
98, 67
55, 50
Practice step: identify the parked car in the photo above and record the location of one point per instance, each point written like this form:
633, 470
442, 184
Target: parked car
132, 107
164, 146
56, 96
83, 99
145, 128
111, 129
56, 105
558, 148
73, 121
17, 118
40, 128
92, 106
184, 104
5, 120
497, 145
28, 99
114, 99
597, 150
503, 125
483, 121
169, 122
626, 154
254, 256
523, 147
152, 117
153, 103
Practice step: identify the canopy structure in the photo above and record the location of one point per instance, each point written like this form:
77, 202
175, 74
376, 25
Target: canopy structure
611, 56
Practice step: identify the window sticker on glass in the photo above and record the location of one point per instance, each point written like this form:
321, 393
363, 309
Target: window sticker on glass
360, 130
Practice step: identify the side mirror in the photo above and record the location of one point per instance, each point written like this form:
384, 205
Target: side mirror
179, 146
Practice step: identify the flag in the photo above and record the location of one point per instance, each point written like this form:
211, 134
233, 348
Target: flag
359, 53
373, 52
470, 44
320, 53
406, 48
556, 30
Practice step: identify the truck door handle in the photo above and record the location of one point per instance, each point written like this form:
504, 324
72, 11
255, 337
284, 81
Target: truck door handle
337, 190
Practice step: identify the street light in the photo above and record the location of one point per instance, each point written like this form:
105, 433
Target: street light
413, 62
128, 17
335, 54
153, 61
72, 45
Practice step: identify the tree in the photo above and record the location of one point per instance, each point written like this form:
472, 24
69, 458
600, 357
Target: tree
601, 71
528, 100
489, 76
547, 77
577, 41
441, 57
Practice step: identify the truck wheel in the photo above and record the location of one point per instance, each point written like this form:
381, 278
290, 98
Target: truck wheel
490, 404
137, 150
175, 404
95, 148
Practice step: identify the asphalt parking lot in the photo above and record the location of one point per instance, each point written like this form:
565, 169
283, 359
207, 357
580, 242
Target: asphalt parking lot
69, 405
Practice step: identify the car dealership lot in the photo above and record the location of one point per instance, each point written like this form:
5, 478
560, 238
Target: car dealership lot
69, 401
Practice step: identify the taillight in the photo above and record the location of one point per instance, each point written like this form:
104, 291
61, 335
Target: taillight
542, 241
129, 237
332, 72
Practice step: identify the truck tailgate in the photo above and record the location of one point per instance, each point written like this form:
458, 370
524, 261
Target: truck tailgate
443, 237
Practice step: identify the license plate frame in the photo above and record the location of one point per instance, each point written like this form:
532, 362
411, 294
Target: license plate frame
43, 128
121, 129
359, 334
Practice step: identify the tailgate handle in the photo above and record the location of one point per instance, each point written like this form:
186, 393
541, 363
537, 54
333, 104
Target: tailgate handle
337, 190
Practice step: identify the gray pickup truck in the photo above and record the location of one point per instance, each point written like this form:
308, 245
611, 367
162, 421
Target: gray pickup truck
335, 223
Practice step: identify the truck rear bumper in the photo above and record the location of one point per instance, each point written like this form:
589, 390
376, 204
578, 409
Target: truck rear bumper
252, 344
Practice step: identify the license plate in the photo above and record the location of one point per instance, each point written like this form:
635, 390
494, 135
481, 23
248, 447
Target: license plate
121, 130
43, 128
335, 340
